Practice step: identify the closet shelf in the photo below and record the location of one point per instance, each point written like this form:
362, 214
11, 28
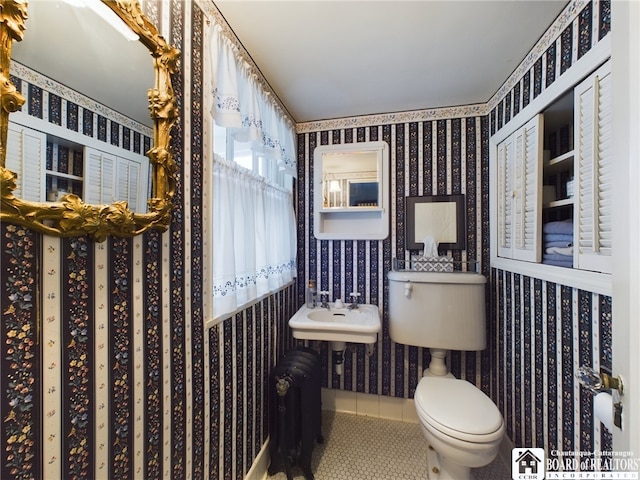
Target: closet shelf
561, 162
560, 203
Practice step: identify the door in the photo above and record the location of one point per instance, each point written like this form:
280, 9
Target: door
594, 161
626, 219
519, 201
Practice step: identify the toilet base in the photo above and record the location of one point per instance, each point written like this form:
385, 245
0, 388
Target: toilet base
442, 469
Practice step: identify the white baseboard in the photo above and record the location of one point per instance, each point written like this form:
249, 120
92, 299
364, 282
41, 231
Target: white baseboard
260, 467
366, 404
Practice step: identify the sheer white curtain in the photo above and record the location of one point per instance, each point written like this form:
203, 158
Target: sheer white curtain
254, 231
243, 107
254, 240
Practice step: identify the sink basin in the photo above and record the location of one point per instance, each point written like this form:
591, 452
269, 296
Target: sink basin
359, 325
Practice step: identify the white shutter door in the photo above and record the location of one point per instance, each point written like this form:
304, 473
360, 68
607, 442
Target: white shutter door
528, 200
593, 139
99, 177
26, 156
506, 155
127, 180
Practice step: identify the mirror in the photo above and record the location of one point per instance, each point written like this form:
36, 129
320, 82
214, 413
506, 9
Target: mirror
68, 214
350, 175
351, 191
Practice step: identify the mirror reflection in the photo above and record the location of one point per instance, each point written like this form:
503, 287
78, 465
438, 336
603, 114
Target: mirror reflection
85, 126
350, 177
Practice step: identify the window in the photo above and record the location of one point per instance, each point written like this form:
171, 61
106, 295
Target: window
254, 161
225, 146
254, 232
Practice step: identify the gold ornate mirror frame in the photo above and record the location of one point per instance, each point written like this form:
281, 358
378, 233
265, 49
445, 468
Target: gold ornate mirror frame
70, 216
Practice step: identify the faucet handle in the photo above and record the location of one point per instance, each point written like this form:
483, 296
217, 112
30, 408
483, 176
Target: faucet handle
324, 299
354, 302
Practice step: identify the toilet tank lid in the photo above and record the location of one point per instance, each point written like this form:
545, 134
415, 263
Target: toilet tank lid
436, 277
458, 405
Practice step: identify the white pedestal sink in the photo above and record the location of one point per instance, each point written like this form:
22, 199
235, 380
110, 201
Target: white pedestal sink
359, 325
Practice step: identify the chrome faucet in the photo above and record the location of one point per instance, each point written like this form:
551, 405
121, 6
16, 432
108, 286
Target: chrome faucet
354, 303
324, 299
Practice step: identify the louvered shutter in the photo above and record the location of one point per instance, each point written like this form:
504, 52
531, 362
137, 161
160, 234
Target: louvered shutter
26, 156
99, 177
506, 155
128, 175
528, 178
519, 200
593, 140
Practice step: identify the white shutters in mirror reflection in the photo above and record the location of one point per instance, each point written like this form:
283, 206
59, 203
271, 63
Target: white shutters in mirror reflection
111, 178
593, 139
519, 202
127, 182
26, 153
98, 185
107, 178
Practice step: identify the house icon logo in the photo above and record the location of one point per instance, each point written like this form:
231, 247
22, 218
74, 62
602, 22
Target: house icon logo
527, 464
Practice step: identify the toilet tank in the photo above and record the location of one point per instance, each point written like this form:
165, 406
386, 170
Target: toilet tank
438, 310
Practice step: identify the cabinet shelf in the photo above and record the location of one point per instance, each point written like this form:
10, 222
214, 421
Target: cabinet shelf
560, 203
349, 209
559, 163
68, 176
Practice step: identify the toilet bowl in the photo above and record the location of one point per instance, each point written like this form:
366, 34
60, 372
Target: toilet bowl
463, 427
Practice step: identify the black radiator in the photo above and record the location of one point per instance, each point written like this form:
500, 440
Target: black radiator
295, 411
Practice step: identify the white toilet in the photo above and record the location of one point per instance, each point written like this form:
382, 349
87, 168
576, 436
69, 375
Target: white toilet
446, 311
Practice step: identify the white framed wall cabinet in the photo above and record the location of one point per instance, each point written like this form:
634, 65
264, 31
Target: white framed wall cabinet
351, 191
553, 164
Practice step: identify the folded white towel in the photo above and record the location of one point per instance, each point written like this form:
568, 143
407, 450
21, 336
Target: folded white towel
557, 259
563, 226
556, 243
560, 250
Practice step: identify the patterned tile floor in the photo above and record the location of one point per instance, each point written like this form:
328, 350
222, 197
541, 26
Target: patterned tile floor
366, 448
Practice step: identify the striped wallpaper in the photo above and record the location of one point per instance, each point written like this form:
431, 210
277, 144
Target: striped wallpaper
109, 372
444, 156
544, 331
445, 151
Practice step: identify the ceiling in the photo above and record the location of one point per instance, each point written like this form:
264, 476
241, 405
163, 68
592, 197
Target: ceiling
76, 48
333, 59
324, 59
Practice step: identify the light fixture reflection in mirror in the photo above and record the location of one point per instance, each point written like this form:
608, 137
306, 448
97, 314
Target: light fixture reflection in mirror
107, 15
70, 216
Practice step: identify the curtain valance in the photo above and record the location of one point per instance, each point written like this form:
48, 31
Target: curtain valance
242, 106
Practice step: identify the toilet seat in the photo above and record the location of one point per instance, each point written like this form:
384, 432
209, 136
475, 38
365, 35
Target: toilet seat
458, 409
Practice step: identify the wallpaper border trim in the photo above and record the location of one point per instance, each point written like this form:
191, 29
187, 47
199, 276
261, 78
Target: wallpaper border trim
464, 111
